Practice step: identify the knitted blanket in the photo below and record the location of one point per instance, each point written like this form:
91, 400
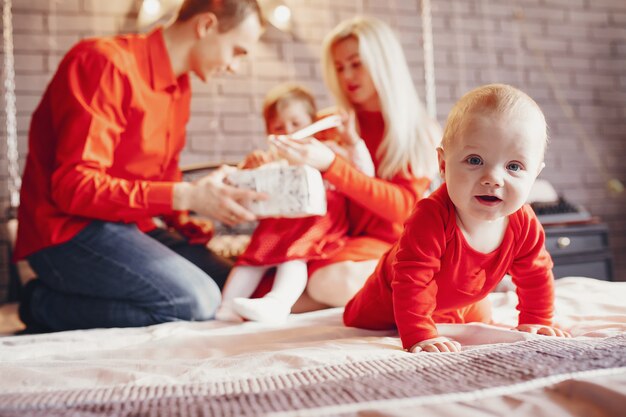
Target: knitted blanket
422, 378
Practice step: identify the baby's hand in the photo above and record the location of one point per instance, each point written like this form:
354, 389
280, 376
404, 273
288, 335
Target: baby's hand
541, 329
437, 344
255, 159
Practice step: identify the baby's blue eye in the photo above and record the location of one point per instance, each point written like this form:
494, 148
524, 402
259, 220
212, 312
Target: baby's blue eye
474, 160
514, 167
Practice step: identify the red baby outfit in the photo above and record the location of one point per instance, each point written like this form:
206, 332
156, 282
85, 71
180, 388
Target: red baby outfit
432, 275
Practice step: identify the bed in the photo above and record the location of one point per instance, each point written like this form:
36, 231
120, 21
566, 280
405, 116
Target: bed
313, 366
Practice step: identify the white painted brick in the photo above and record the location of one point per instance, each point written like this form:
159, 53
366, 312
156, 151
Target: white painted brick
570, 63
119, 7
610, 66
568, 31
201, 123
589, 17
48, 6
28, 22
611, 5
608, 33
92, 25
554, 15
451, 7
547, 45
30, 63
590, 49
596, 80
240, 124
271, 70
571, 4
618, 18
31, 83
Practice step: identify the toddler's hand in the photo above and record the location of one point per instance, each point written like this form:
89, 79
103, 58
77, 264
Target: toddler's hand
541, 329
437, 344
255, 159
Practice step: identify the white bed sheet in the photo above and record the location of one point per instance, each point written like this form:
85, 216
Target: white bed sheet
204, 352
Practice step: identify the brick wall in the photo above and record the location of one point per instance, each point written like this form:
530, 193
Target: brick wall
570, 55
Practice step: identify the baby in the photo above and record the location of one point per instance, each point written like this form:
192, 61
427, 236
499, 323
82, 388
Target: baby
461, 241
287, 244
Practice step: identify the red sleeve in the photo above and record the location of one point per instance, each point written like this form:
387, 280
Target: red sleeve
418, 260
90, 121
391, 200
532, 273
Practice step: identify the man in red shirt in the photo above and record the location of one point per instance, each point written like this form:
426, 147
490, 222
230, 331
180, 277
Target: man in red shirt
103, 159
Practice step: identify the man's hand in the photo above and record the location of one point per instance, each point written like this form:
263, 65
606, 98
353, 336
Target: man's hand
541, 329
437, 344
210, 196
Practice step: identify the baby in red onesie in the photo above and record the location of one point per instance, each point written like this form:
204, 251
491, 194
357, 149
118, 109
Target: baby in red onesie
461, 241
288, 243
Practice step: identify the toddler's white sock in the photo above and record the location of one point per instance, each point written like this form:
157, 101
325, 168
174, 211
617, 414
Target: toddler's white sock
226, 312
267, 309
291, 278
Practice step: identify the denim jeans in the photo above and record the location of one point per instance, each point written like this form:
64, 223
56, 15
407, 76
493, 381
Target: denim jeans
114, 275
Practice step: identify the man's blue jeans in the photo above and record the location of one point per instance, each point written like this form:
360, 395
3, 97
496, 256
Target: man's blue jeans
113, 275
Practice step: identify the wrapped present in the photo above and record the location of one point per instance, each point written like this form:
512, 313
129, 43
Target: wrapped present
295, 191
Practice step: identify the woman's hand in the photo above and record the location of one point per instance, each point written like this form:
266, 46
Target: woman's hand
437, 344
309, 151
347, 131
543, 330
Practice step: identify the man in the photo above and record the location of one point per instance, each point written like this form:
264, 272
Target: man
103, 158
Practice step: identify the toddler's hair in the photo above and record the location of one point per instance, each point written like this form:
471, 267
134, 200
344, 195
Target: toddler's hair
496, 98
282, 96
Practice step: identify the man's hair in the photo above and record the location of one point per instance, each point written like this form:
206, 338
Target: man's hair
282, 96
229, 13
492, 98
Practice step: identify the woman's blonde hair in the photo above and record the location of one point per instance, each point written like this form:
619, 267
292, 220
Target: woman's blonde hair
410, 137
283, 95
492, 98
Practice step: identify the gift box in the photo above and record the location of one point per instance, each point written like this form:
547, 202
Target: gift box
294, 190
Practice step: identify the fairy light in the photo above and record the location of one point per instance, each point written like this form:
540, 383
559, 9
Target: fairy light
152, 8
281, 17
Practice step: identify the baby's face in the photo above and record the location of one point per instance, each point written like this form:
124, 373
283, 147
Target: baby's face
490, 168
294, 116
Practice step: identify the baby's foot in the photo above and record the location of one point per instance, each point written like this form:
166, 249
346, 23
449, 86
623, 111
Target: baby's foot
225, 312
267, 309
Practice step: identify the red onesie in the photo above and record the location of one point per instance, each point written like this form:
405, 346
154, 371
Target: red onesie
432, 275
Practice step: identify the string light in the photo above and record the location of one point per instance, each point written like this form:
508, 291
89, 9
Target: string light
281, 17
154, 12
278, 14
152, 8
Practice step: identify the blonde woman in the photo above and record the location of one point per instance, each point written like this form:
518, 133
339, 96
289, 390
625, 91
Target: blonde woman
366, 71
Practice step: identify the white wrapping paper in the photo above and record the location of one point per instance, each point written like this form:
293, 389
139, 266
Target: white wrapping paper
295, 191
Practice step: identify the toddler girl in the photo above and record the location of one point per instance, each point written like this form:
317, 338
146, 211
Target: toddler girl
287, 243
